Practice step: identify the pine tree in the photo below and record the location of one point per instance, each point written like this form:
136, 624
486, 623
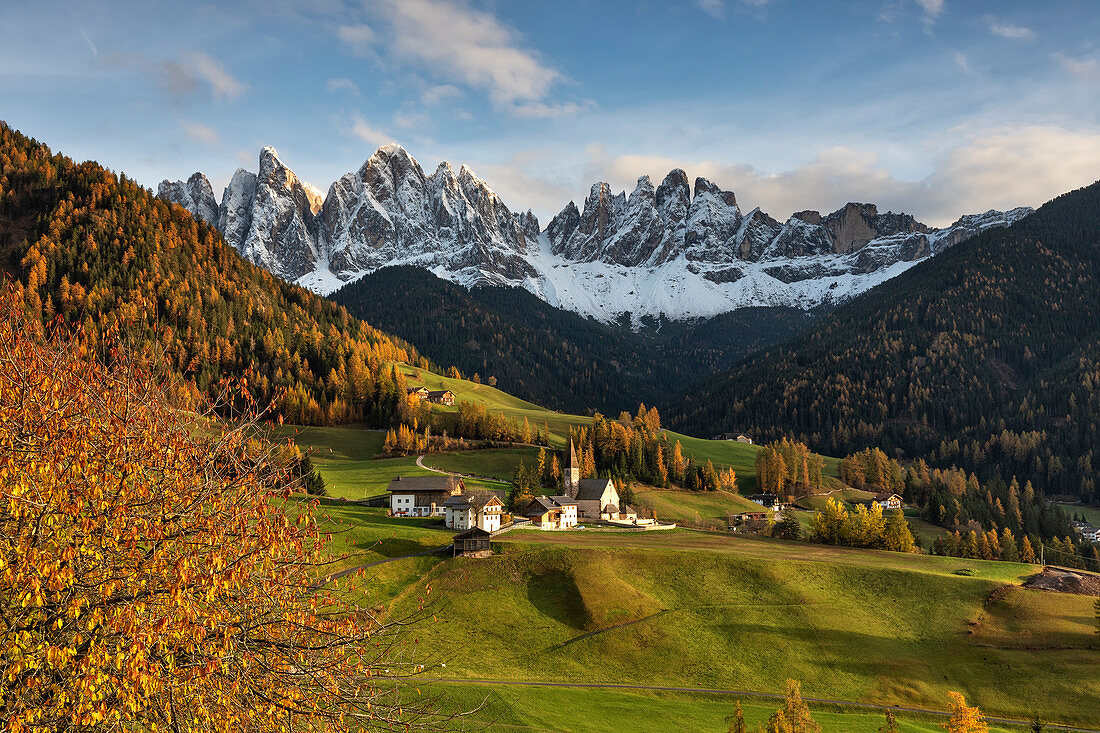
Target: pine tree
897, 536
737, 721
1026, 553
1009, 551
797, 712
891, 725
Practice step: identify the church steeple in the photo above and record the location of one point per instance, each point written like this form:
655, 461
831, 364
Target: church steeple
573, 473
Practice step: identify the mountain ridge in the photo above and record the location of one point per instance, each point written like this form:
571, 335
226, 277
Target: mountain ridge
663, 251
985, 358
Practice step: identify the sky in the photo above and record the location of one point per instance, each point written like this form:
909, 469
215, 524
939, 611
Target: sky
932, 107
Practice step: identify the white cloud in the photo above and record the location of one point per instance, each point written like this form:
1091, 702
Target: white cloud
469, 46
91, 46
961, 61
409, 120
336, 85
200, 133
1088, 68
999, 169
541, 110
714, 8
370, 135
222, 84
358, 38
931, 8
440, 93
1005, 30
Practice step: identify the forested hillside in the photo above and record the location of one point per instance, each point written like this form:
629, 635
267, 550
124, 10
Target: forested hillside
552, 356
986, 357
97, 249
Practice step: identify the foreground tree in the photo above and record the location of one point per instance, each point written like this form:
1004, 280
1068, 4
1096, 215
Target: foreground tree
891, 725
154, 574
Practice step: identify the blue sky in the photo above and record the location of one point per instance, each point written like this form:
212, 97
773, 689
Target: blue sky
934, 107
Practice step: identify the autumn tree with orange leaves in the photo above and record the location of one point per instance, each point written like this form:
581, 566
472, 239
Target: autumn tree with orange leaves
155, 574
964, 719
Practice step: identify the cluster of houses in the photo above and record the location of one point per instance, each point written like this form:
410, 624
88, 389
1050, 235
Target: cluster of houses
477, 515
435, 396
1087, 531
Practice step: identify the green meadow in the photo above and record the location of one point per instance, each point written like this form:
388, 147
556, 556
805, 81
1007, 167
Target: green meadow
697, 609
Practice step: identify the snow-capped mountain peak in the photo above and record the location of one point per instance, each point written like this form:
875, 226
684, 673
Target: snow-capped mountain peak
675, 250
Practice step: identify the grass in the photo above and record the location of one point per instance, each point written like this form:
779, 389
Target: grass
699, 610
548, 709
498, 463
698, 508
1091, 513
497, 401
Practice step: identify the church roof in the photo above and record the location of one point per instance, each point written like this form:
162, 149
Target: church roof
592, 489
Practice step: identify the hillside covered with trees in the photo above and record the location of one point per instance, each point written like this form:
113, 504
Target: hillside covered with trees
985, 357
556, 357
98, 250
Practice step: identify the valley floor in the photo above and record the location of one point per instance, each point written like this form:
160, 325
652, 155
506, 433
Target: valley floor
707, 611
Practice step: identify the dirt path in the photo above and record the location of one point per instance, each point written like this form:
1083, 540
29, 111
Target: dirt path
754, 694
420, 462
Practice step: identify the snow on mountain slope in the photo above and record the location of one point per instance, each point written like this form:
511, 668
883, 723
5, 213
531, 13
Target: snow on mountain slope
659, 251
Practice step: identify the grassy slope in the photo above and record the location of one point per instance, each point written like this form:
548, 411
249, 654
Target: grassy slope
551, 710
707, 509
746, 614
499, 463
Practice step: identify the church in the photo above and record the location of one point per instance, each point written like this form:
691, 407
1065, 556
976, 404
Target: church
596, 498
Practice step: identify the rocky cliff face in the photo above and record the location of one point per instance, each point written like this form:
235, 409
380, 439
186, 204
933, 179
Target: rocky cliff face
666, 251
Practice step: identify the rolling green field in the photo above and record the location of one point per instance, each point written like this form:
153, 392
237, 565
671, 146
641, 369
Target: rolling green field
696, 610
700, 609
707, 509
550, 710
499, 463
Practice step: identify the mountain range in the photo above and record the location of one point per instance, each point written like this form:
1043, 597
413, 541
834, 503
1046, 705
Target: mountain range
986, 357
674, 251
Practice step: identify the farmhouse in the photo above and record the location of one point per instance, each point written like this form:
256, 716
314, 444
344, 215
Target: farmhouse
441, 397
887, 500
768, 501
420, 393
753, 521
552, 512
473, 542
422, 496
480, 509
739, 437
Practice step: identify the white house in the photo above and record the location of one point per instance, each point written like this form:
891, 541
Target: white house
887, 501
422, 496
465, 511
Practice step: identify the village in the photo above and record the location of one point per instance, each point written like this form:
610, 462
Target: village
478, 515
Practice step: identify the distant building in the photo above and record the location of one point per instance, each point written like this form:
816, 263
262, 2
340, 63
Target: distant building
420, 392
441, 397
768, 501
887, 500
474, 542
752, 521
422, 496
479, 509
739, 437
